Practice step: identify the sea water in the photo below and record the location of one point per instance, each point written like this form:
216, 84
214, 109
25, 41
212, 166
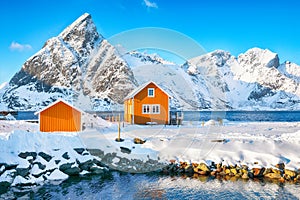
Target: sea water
154, 186
238, 116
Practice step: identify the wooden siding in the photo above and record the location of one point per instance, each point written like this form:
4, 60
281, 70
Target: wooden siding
128, 110
160, 97
60, 118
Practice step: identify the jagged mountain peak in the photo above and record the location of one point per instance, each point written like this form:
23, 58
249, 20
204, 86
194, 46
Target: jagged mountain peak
78, 65
82, 24
257, 56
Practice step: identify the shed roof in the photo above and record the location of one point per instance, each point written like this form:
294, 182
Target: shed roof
55, 102
141, 87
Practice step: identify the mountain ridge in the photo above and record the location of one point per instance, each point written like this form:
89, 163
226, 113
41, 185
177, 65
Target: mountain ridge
82, 67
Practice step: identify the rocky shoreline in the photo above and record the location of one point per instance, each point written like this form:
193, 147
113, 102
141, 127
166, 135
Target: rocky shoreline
232, 172
39, 167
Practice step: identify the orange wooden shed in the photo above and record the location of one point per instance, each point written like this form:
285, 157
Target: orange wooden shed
148, 103
60, 116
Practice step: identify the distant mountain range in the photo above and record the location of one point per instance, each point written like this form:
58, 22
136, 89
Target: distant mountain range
80, 66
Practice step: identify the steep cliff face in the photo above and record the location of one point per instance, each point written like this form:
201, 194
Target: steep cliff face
77, 63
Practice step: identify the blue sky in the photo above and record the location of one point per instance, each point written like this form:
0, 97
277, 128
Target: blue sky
234, 26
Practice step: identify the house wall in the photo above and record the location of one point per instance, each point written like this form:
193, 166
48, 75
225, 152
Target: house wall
159, 98
60, 117
128, 110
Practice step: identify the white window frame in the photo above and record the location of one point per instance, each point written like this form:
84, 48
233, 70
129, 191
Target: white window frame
146, 109
151, 109
149, 89
155, 109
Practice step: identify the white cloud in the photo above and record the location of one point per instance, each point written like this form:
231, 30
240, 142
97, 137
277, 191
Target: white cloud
15, 46
150, 4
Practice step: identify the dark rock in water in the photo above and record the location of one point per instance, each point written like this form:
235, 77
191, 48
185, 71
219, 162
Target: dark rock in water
66, 156
26, 154
22, 171
189, 170
72, 171
79, 150
66, 166
4, 185
86, 165
125, 150
69, 170
250, 175
99, 163
45, 156
97, 170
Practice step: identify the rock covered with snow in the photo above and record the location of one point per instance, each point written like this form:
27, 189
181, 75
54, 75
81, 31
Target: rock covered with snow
30, 158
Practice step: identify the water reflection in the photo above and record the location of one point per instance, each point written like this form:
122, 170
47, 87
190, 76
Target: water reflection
152, 186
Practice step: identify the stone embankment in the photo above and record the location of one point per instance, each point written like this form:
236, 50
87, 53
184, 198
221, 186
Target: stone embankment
234, 172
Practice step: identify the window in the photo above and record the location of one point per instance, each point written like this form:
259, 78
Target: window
151, 109
150, 92
146, 109
156, 109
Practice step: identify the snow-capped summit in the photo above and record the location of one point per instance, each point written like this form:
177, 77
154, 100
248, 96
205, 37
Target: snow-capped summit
261, 66
81, 35
78, 65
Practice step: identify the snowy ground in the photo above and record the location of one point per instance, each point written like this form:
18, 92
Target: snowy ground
254, 144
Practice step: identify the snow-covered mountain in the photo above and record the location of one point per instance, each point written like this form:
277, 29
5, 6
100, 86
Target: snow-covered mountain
220, 81
250, 82
82, 67
78, 65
